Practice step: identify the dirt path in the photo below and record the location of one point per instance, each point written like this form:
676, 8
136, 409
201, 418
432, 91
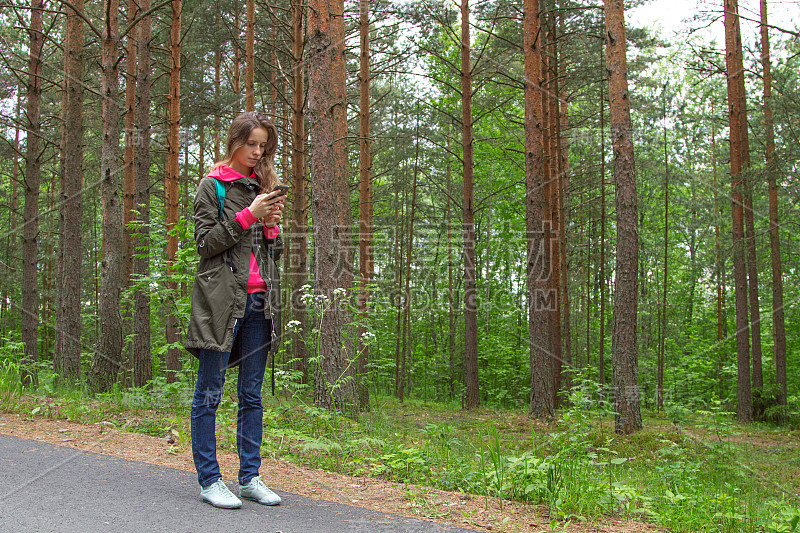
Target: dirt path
407, 500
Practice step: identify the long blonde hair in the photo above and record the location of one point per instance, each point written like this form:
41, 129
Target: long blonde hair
239, 133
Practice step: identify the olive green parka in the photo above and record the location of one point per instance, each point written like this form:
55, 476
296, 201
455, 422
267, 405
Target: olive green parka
219, 294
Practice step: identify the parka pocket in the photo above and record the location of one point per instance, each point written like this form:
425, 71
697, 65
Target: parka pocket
212, 306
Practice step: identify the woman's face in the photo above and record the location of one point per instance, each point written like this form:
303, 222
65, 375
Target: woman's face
246, 157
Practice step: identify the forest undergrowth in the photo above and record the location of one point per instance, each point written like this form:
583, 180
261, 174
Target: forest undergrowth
686, 471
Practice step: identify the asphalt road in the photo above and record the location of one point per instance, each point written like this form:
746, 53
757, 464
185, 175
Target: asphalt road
47, 488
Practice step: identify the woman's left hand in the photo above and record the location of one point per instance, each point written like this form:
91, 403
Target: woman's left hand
274, 214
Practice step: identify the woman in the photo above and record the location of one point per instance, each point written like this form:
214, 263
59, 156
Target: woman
235, 302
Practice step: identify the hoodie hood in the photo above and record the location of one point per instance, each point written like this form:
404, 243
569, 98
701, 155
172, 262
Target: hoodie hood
227, 174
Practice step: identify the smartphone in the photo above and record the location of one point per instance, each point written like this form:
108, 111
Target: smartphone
281, 187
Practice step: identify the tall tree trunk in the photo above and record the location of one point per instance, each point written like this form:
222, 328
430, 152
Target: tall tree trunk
737, 117
750, 236
364, 199
298, 234
562, 125
142, 365
30, 233
339, 86
334, 385
624, 350
236, 85
398, 247
472, 399
601, 361
12, 216
217, 103
663, 333
752, 260
554, 190
129, 171
778, 326
719, 266
172, 189
451, 291
487, 304
274, 93
692, 230
107, 361
48, 277
407, 289
547, 171
586, 296
68, 313
541, 400
249, 78
201, 161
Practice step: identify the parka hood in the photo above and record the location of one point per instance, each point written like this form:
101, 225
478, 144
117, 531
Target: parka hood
227, 174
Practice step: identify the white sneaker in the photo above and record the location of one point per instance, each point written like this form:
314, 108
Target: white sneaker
256, 490
219, 495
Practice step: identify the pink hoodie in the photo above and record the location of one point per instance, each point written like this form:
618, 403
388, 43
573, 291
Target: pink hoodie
246, 219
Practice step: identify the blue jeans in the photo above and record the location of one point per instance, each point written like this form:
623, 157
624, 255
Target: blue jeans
252, 334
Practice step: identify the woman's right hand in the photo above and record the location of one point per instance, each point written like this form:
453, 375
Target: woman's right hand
266, 203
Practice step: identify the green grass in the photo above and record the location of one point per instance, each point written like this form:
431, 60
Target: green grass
699, 471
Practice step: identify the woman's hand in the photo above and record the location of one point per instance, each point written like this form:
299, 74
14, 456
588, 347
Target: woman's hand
268, 206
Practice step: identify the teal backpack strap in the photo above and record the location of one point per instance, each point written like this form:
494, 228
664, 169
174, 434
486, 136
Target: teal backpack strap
221, 202
220, 196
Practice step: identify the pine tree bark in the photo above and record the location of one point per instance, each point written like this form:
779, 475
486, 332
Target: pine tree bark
12, 216
236, 84
472, 398
719, 265
30, 233
250, 57
451, 290
778, 323
625, 358
554, 201
172, 189
364, 199
747, 190
601, 361
752, 259
737, 122
129, 172
541, 400
107, 360
663, 325
562, 145
407, 288
201, 156
217, 105
142, 364
398, 276
298, 234
68, 289
563, 186
334, 385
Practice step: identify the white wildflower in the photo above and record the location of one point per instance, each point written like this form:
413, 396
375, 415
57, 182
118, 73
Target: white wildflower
307, 298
